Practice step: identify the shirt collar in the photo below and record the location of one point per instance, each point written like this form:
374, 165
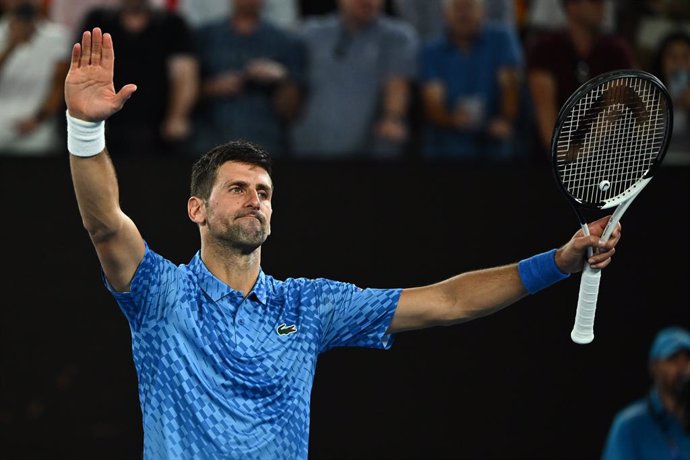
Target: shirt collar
216, 289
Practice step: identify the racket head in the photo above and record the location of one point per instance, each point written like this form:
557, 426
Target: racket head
611, 135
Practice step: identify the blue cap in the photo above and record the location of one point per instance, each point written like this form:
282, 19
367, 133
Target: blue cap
669, 341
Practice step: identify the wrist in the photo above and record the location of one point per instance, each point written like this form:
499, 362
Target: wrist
540, 271
85, 138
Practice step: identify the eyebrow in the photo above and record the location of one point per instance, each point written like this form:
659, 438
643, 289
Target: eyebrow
259, 186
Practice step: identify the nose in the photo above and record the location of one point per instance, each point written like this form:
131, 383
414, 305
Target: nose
253, 199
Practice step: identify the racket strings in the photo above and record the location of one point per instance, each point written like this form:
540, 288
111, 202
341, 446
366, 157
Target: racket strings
610, 139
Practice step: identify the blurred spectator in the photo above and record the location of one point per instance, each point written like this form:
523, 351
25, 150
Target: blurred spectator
283, 13
646, 22
560, 61
34, 58
71, 13
672, 65
156, 52
657, 427
428, 19
252, 78
361, 64
470, 86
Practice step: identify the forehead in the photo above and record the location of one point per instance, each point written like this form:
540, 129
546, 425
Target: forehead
232, 171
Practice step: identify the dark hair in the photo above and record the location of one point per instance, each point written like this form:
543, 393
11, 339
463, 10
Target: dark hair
657, 59
205, 169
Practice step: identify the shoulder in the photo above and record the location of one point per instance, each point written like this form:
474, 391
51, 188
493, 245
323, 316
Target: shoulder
397, 29
319, 25
631, 415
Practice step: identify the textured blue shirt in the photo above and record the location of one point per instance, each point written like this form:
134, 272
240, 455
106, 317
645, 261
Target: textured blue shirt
636, 435
224, 376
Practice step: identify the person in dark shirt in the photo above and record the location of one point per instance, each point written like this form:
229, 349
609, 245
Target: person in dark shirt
559, 62
157, 52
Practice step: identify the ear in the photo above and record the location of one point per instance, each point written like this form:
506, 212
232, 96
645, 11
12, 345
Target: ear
196, 210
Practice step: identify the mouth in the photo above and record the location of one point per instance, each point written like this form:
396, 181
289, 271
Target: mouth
252, 216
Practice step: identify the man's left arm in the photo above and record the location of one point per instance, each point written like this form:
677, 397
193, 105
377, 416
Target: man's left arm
482, 292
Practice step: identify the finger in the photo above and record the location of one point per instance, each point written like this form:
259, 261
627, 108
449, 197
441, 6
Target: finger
85, 49
96, 46
601, 265
124, 94
76, 56
597, 227
601, 257
107, 52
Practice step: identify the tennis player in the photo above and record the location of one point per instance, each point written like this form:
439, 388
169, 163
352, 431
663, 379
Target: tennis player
225, 354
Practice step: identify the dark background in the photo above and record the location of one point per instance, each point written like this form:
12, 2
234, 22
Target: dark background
509, 386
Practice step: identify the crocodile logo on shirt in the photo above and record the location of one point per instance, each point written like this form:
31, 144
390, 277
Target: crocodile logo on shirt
284, 329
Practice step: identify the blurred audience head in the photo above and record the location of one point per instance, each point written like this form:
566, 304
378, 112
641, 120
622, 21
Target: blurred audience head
463, 17
669, 359
135, 5
24, 10
672, 57
247, 7
359, 12
586, 14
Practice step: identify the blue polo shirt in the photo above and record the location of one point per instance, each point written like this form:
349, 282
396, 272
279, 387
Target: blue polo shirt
467, 74
224, 376
636, 435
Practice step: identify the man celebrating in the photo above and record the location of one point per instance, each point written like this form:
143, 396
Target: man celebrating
225, 354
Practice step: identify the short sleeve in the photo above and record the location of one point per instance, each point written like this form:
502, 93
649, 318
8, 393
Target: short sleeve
180, 36
151, 287
401, 52
355, 317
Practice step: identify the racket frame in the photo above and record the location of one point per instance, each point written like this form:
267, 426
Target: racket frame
582, 332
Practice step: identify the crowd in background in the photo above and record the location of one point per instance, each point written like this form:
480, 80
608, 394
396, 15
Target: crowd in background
475, 80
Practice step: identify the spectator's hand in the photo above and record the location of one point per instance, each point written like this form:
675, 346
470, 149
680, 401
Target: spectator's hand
176, 128
570, 257
392, 129
89, 91
227, 84
499, 128
27, 126
265, 71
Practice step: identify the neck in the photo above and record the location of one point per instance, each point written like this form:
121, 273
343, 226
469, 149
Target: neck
244, 23
671, 403
353, 24
233, 267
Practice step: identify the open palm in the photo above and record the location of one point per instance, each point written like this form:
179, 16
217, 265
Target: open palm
89, 91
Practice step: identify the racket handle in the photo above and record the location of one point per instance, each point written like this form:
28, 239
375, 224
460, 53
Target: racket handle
583, 331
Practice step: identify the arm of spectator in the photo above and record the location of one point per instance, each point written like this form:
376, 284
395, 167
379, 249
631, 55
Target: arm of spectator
508, 82
227, 84
396, 96
543, 89
287, 100
183, 71
52, 103
433, 102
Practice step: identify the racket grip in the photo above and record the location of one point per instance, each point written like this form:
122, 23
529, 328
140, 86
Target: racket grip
583, 330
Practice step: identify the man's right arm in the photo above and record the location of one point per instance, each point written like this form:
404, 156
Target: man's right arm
91, 98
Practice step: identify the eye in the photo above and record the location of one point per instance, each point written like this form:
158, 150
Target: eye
236, 189
263, 195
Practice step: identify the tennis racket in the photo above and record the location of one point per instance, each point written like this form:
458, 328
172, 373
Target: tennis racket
610, 137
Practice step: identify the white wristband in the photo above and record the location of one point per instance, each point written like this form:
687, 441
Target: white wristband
85, 138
